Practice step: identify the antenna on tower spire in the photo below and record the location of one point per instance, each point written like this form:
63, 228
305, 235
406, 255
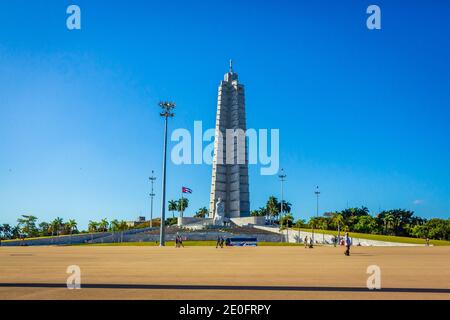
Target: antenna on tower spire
231, 66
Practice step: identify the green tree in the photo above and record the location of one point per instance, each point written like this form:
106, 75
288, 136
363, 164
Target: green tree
45, 229
287, 206
171, 221
103, 225
15, 232
261, 212
387, 220
287, 219
402, 219
254, 213
71, 225
56, 226
114, 226
300, 223
273, 208
173, 206
202, 213
438, 229
27, 225
337, 221
319, 222
123, 226
366, 224
351, 215
414, 224
182, 205
5, 231
420, 231
93, 226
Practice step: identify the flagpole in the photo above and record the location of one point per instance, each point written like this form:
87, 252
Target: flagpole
182, 202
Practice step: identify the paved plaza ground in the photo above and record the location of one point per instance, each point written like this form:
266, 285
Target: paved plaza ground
230, 273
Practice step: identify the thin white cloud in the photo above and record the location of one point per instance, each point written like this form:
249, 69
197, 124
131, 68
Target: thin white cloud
418, 202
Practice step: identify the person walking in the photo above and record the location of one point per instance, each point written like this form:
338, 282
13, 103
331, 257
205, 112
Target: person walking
348, 243
219, 242
306, 242
181, 242
177, 244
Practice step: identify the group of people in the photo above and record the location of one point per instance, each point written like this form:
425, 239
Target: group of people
346, 241
220, 242
309, 242
179, 242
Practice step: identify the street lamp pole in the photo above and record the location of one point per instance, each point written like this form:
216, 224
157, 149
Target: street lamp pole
317, 194
152, 195
167, 111
282, 177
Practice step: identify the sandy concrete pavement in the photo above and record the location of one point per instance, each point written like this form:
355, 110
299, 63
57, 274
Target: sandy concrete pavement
229, 273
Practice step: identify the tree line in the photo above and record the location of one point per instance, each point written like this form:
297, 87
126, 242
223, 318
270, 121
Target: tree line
396, 222
27, 227
181, 205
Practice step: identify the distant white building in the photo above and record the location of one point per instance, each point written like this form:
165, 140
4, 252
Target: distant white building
139, 221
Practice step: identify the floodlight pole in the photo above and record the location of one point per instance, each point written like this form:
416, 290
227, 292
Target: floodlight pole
152, 195
317, 193
167, 108
282, 177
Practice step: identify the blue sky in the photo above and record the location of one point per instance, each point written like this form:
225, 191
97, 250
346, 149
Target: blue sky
363, 114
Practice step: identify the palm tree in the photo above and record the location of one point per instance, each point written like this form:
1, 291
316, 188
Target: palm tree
6, 230
103, 225
254, 213
45, 229
287, 206
173, 206
273, 207
388, 222
338, 220
15, 232
287, 220
202, 213
93, 226
114, 225
183, 203
72, 225
56, 226
324, 226
123, 226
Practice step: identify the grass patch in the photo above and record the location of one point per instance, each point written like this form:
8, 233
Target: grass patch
54, 237
379, 237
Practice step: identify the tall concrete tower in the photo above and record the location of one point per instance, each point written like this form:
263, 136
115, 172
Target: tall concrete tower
230, 165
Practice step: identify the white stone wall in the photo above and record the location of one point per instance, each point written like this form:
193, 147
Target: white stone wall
294, 236
197, 223
248, 221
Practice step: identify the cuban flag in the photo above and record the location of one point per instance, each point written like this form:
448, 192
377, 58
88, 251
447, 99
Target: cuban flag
186, 190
